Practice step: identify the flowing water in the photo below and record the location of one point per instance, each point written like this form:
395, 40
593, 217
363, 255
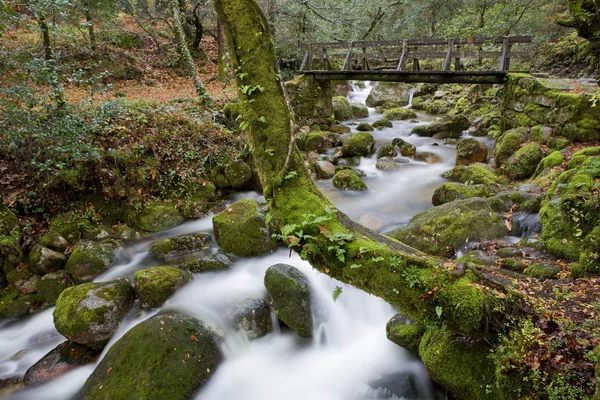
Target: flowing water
349, 357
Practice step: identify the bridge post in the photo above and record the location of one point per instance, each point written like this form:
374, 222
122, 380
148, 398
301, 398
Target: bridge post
348, 57
309, 61
365, 63
505, 57
448, 55
400, 66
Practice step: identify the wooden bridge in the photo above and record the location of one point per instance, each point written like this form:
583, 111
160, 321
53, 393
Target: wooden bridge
386, 60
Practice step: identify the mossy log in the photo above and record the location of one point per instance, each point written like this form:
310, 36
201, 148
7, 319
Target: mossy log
423, 288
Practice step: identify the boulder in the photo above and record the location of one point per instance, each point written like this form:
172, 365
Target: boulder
429, 158
542, 271
396, 114
383, 92
386, 106
213, 262
512, 264
478, 257
470, 151
406, 149
401, 331
523, 163
324, 169
14, 304
456, 191
290, 290
348, 180
382, 123
55, 241
154, 286
158, 217
52, 285
169, 356
447, 127
359, 110
233, 174
387, 163
90, 259
364, 127
359, 144
386, 150
180, 246
63, 358
508, 143
317, 141
507, 252
342, 109
253, 316
42, 260
90, 313
443, 229
241, 229
471, 174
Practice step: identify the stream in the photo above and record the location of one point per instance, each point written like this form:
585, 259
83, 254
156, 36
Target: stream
349, 357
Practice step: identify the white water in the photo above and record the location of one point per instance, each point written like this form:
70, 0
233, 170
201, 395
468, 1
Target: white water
349, 349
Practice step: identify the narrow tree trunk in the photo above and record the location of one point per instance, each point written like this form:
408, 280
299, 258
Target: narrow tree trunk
45, 31
184, 52
221, 51
90, 26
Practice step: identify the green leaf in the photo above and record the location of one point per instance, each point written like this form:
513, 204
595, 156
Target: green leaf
337, 292
268, 218
355, 266
377, 259
438, 311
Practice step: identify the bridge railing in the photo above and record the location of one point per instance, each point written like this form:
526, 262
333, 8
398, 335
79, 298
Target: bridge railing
401, 51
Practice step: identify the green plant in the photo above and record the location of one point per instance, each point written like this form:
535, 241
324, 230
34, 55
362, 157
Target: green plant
411, 276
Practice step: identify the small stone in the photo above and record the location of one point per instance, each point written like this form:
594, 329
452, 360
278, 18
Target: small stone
324, 169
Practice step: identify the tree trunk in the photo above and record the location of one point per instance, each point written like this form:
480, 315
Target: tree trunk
90, 26
184, 52
45, 31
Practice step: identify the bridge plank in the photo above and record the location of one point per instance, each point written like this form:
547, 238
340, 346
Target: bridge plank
412, 76
423, 42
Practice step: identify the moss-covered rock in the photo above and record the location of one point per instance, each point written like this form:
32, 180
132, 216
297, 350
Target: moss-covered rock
71, 226
459, 364
436, 107
155, 285
54, 240
359, 144
472, 174
214, 262
310, 100
180, 246
158, 217
348, 180
90, 313
508, 143
241, 229
382, 123
168, 356
428, 157
589, 260
52, 285
42, 260
14, 304
478, 257
253, 316
513, 264
384, 92
390, 163
470, 151
10, 239
323, 169
447, 127
554, 159
60, 360
90, 259
233, 174
406, 149
386, 150
342, 109
443, 229
364, 127
359, 110
290, 290
523, 163
404, 333
396, 114
542, 271
456, 191
318, 141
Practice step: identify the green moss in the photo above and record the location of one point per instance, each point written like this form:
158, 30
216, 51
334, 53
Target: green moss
359, 111
70, 226
342, 109
14, 304
386, 106
457, 191
406, 149
436, 107
554, 159
52, 285
382, 123
458, 364
158, 217
168, 356
180, 246
89, 260
523, 163
241, 230
469, 151
507, 144
396, 114
542, 271
155, 285
364, 127
386, 150
9, 223
589, 259
348, 180
472, 174
443, 229
404, 333
359, 144
90, 313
